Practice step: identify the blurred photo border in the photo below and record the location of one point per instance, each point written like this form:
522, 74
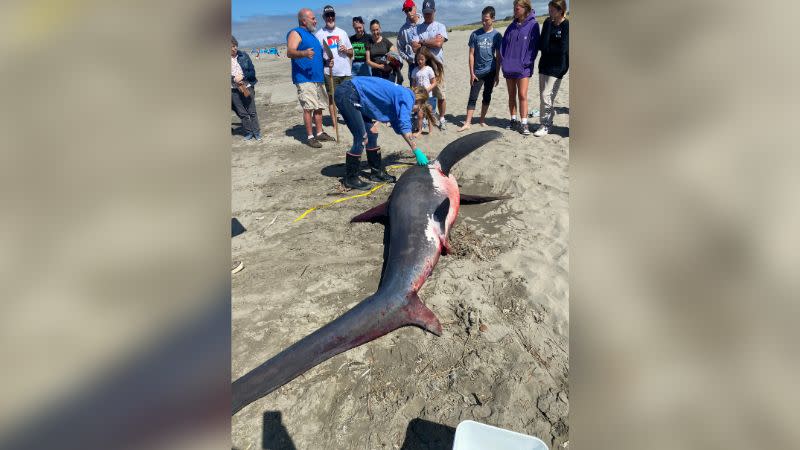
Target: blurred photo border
116, 225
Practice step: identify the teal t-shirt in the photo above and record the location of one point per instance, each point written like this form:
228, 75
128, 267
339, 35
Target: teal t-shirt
485, 45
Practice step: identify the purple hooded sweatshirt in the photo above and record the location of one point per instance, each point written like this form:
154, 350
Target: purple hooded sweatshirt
519, 48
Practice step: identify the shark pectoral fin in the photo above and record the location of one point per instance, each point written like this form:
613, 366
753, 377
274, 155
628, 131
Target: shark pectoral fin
378, 214
440, 214
446, 249
420, 315
467, 199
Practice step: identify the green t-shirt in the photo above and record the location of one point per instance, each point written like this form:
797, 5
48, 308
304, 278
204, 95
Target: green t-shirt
360, 45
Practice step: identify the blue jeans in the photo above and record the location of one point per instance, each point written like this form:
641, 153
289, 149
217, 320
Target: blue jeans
348, 102
361, 69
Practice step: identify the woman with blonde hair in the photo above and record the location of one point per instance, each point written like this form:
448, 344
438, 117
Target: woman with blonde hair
364, 100
518, 52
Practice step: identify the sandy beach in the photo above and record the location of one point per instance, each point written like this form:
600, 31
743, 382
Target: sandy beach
502, 296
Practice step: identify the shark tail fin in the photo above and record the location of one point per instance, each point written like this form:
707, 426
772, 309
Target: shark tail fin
420, 315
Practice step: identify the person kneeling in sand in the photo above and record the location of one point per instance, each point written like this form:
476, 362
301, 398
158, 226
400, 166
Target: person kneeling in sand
364, 100
484, 69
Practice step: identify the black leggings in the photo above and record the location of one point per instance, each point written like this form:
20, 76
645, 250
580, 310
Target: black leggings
487, 81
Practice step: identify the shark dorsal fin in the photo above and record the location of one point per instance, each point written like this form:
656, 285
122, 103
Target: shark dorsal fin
462, 147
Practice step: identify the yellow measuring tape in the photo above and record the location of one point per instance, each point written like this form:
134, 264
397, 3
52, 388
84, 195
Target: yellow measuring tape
340, 200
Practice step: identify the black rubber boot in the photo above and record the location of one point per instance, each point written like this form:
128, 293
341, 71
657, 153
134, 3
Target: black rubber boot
377, 172
352, 166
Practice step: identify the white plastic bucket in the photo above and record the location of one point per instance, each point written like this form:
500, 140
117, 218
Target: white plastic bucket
471, 435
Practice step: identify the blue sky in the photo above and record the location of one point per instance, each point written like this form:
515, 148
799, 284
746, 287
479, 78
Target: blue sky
258, 23
241, 9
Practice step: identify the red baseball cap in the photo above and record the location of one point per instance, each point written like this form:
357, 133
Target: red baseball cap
408, 4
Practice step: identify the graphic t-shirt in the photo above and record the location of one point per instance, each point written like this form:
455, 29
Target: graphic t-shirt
485, 45
422, 77
360, 46
334, 38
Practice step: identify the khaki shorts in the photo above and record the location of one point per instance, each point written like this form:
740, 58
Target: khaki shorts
312, 96
438, 91
336, 82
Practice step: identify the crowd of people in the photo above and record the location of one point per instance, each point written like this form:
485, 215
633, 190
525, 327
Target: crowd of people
361, 76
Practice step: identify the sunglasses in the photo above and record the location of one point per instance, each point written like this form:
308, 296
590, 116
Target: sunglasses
329, 16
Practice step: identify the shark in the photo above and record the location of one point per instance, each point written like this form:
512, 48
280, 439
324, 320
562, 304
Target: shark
418, 217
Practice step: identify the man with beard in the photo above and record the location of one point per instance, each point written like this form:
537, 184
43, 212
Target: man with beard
305, 52
338, 69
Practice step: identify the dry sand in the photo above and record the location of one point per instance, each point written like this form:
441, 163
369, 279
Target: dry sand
508, 276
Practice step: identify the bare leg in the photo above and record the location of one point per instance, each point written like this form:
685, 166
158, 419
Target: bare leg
522, 92
511, 84
307, 121
318, 120
468, 120
442, 103
484, 108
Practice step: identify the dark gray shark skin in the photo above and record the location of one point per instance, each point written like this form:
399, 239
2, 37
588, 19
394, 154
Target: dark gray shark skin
418, 216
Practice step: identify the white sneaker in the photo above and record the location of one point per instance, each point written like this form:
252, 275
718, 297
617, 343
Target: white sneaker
542, 131
442, 124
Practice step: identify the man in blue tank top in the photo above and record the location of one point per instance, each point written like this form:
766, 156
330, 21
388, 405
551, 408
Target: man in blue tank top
305, 52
